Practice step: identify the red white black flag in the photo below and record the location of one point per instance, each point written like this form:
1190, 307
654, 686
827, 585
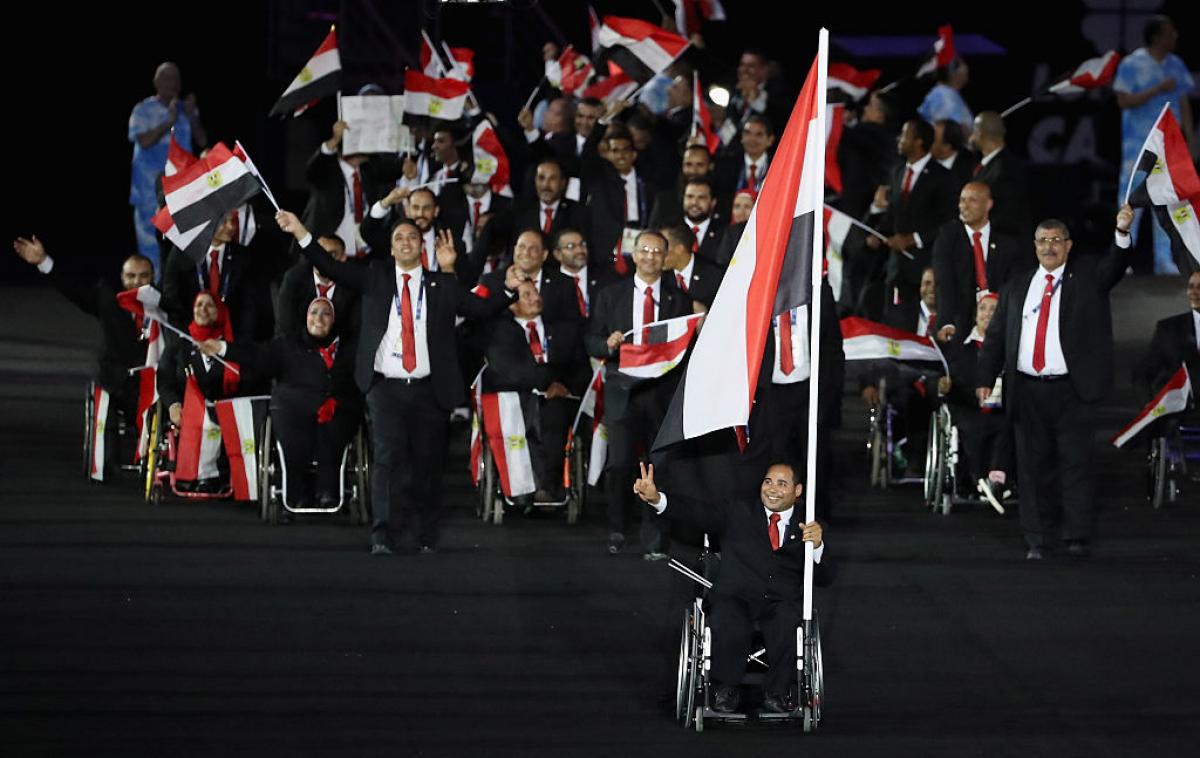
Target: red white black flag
639, 47
177, 158
691, 14
320, 77
701, 118
616, 86
208, 189
1164, 173
504, 424
239, 419
199, 438
491, 163
1091, 74
656, 349
436, 98
1172, 398
1181, 222
570, 72
770, 273
848, 84
942, 53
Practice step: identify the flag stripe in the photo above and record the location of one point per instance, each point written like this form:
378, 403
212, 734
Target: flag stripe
99, 420
1172, 398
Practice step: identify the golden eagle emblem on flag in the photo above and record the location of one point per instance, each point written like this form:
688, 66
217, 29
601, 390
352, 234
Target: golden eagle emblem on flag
305, 76
485, 166
1158, 411
515, 442
214, 179
1182, 214
435, 106
1158, 168
212, 433
248, 447
893, 348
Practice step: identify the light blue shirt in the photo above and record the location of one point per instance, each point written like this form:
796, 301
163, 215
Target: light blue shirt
943, 101
148, 162
1138, 72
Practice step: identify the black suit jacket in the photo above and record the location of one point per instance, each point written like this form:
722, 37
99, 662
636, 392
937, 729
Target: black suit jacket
1085, 325
327, 200
730, 171
866, 154
962, 170
444, 297
606, 206
612, 311
298, 290
704, 281
750, 569
1006, 176
502, 231
377, 233
559, 302
511, 365
243, 284
302, 382
121, 346
181, 358
954, 272
1173, 345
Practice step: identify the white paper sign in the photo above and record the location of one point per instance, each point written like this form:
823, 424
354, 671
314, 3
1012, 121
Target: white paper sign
374, 122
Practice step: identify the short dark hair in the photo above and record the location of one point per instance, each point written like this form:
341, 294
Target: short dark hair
886, 105
680, 234
140, 258
923, 130
796, 467
698, 181
756, 52
1154, 27
400, 222
531, 230
952, 133
556, 240
639, 121
656, 233
594, 102
551, 160
1053, 224
758, 118
432, 194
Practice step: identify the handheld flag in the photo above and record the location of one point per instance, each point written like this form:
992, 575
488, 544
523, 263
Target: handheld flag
436, 98
942, 53
1169, 174
491, 163
320, 77
1172, 398
640, 48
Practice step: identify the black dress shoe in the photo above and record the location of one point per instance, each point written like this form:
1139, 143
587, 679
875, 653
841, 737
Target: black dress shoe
778, 704
1079, 549
726, 699
1034, 553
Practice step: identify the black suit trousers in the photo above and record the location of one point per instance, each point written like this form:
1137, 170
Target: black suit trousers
634, 432
732, 619
408, 435
1054, 430
304, 440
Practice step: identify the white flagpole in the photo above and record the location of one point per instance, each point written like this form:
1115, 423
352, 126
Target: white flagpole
184, 335
814, 312
1014, 108
685, 319
254, 170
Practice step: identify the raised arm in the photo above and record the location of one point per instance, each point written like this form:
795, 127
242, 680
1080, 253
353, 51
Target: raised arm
352, 275
83, 295
700, 514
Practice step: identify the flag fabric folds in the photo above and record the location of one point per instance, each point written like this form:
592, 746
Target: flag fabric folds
239, 419
491, 162
690, 14
657, 348
864, 340
177, 158
1181, 221
320, 77
942, 54
848, 84
199, 438
701, 118
436, 98
1172, 398
837, 229
504, 425
100, 403
570, 72
1170, 176
1091, 74
208, 189
770, 273
616, 86
640, 48
592, 405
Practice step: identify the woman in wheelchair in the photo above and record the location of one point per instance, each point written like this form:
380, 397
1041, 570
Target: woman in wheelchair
545, 362
760, 579
985, 431
315, 406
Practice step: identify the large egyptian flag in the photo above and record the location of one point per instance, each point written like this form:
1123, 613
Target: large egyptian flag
1181, 222
640, 48
616, 86
1172, 398
320, 77
199, 438
240, 418
770, 273
1093, 73
208, 189
436, 98
1169, 174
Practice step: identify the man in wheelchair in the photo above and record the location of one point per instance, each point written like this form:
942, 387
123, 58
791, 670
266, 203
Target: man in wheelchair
760, 580
545, 361
1176, 342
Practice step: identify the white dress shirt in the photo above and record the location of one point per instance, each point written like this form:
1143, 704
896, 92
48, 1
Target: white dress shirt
760, 169
785, 518
1056, 363
542, 208
800, 362
639, 297
430, 240
985, 236
1196, 326
631, 195
580, 140
347, 229
389, 355
485, 205
686, 272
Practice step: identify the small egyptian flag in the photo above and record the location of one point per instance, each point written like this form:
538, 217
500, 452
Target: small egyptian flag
239, 419
199, 438
177, 158
208, 189
147, 397
1170, 176
476, 426
640, 48
194, 242
491, 163
320, 77
505, 426
570, 72
100, 403
1172, 398
837, 229
701, 118
942, 53
616, 86
656, 348
864, 340
1093, 73
436, 98
593, 405
848, 84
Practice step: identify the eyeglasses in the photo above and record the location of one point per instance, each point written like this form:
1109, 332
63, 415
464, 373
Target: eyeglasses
651, 250
572, 245
1047, 241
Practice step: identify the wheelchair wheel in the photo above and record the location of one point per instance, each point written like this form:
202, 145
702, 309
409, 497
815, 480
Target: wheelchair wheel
488, 500
89, 418
578, 492
875, 448
361, 514
812, 682
933, 456
1158, 471
153, 488
681, 673
268, 506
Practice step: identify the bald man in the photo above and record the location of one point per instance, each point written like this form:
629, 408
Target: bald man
1004, 172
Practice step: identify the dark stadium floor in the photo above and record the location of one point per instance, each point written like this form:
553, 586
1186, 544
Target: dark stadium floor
194, 629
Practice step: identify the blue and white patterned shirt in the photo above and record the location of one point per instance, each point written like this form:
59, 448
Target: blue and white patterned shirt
943, 101
1138, 72
148, 162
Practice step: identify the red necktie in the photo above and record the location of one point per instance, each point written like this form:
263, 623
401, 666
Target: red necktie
908, 175
424, 257
696, 242
975, 171
980, 263
408, 355
679, 280
475, 218
549, 220
535, 343
323, 289
751, 177
647, 313
787, 362
773, 530
329, 406
1039, 340
358, 198
930, 324
579, 296
214, 273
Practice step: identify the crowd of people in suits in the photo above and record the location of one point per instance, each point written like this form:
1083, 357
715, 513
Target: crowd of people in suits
402, 277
